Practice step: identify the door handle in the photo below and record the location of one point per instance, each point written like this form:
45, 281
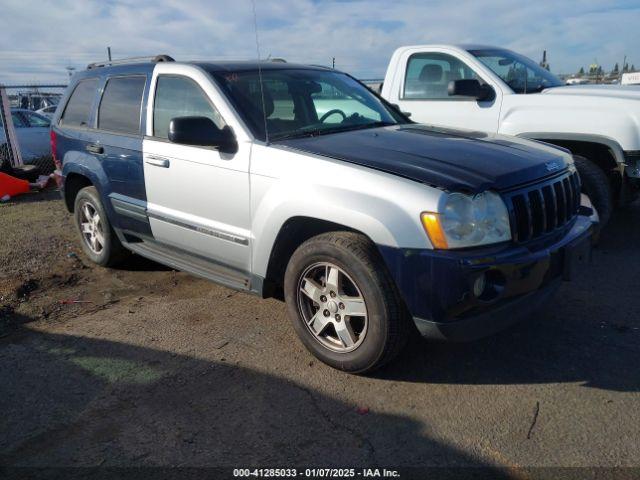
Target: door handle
93, 148
158, 161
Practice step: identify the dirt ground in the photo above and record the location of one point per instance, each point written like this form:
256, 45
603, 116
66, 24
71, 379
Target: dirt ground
156, 367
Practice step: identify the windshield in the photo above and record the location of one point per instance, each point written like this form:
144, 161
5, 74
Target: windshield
522, 74
301, 102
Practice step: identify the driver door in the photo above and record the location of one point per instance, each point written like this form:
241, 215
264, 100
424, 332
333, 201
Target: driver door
424, 94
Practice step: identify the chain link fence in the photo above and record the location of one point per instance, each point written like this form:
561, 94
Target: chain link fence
25, 123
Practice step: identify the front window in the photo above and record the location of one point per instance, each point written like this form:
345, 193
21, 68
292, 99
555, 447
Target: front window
300, 102
522, 74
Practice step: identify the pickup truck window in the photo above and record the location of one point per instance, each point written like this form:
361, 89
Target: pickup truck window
301, 102
428, 76
522, 74
178, 96
121, 103
78, 109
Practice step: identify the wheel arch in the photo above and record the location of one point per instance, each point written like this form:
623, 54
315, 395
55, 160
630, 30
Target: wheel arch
293, 233
583, 144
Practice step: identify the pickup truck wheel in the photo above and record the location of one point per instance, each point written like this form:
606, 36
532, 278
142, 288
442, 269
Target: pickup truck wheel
99, 242
343, 303
597, 186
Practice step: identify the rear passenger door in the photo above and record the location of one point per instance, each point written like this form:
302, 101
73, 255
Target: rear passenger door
198, 198
117, 143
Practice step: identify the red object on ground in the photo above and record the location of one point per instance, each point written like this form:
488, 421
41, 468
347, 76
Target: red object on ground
12, 186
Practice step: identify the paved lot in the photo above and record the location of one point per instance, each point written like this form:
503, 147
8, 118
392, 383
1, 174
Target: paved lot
161, 368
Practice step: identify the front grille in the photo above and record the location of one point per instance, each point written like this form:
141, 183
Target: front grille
542, 208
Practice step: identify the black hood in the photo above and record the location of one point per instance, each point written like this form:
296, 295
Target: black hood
450, 159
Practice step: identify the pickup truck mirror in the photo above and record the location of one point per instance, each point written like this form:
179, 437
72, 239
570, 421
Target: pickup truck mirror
471, 88
397, 108
201, 131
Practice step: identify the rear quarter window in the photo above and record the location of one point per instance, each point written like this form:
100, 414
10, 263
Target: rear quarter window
121, 105
78, 109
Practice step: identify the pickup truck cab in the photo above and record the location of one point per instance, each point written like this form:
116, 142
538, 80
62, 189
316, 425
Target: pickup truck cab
495, 90
297, 182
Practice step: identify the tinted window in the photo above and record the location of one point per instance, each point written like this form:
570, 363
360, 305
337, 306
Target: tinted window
180, 97
429, 74
78, 109
120, 106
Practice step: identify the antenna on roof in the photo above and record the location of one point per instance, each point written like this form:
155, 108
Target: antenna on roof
264, 108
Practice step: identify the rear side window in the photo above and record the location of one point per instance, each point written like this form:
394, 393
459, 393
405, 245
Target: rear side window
121, 103
180, 97
78, 109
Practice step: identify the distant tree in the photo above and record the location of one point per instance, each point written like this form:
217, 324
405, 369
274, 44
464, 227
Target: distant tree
626, 67
633, 68
581, 72
599, 70
616, 69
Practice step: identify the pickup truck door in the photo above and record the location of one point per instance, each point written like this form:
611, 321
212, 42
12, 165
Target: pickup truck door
197, 197
421, 89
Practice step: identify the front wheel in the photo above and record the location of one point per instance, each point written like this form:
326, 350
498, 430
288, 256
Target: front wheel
597, 186
343, 303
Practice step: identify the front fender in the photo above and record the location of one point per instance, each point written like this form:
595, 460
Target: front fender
384, 207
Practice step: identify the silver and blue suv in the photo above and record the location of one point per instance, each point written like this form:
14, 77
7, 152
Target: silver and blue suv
297, 182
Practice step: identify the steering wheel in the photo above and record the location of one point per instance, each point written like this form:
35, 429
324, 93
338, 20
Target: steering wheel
331, 112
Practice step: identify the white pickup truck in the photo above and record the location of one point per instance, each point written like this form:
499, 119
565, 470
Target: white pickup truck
495, 90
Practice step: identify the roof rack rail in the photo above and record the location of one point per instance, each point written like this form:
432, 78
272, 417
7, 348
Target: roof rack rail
123, 61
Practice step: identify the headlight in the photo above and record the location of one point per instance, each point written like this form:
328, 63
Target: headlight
466, 221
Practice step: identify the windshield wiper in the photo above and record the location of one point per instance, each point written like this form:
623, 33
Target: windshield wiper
315, 131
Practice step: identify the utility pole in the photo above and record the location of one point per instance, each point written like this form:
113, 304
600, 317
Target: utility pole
620, 72
109, 53
333, 63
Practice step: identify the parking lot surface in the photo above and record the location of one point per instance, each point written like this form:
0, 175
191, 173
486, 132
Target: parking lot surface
156, 367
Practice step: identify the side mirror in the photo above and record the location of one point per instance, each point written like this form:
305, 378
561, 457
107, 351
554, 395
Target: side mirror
471, 88
201, 131
397, 109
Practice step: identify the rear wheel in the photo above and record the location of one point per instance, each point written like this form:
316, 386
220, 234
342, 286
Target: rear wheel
343, 303
597, 186
99, 242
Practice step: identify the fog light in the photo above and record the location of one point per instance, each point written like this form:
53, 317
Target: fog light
479, 285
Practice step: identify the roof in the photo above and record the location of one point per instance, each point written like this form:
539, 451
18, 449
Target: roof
244, 66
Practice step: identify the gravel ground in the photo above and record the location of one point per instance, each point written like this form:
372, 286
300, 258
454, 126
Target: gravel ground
159, 368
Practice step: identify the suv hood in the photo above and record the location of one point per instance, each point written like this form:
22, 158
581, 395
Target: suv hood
455, 160
606, 91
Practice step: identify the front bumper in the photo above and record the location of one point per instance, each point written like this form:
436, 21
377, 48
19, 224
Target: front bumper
438, 286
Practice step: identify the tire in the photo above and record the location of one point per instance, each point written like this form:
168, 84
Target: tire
378, 336
110, 251
597, 186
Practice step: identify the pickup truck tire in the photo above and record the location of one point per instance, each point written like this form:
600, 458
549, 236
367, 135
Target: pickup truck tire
597, 186
99, 242
333, 274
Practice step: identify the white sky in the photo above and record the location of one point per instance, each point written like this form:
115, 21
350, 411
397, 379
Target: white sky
38, 39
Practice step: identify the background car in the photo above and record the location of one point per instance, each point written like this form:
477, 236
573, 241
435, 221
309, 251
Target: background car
32, 130
48, 111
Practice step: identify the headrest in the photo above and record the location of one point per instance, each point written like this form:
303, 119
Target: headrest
431, 73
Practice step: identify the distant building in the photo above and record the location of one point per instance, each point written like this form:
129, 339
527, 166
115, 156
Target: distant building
630, 78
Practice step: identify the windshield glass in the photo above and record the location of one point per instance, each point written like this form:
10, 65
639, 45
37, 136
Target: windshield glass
522, 74
301, 102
